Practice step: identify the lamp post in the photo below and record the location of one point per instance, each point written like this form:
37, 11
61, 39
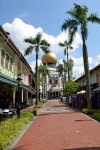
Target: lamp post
19, 78
39, 95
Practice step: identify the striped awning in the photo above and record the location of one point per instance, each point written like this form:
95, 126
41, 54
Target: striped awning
8, 80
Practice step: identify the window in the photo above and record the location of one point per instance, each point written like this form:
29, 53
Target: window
2, 57
50, 80
11, 63
7, 61
56, 80
29, 79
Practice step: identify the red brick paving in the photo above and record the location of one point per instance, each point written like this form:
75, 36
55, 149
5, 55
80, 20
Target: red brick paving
60, 130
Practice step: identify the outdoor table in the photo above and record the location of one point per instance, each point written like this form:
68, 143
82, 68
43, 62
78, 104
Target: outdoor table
5, 112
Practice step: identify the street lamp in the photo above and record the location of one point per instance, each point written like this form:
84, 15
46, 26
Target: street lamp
39, 95
19, 78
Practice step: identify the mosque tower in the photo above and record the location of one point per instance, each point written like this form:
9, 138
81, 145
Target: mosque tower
53, 83
71, 62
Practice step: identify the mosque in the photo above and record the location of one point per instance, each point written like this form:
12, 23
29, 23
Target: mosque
53, 83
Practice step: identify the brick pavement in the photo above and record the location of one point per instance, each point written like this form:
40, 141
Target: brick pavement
59, 128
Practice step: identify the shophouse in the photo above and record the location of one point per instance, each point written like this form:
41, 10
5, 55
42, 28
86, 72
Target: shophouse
94, 78
12, 65
94, 84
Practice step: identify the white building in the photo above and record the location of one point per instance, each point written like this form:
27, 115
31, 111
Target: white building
53, 84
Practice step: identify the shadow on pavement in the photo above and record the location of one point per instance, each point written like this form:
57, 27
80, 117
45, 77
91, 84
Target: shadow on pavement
85, 148
83, 120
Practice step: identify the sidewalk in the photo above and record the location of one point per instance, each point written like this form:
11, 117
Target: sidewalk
59, 128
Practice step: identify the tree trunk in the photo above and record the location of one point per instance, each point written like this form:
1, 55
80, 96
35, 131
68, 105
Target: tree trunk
37, 77
68, 65
42, 86
86, 69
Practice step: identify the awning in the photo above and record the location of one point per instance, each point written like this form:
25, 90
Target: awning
97, 89
8, 80
81, 92
26, 87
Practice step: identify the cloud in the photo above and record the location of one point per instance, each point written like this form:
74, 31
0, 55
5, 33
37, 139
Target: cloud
33, 64
19, 30
97, 60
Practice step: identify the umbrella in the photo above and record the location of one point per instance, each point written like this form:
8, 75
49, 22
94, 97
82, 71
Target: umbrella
81, 92
97, 89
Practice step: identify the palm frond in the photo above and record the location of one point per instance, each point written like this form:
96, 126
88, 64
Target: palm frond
30, 40
29, 50
80, 11
72, 13
44, 43
66, 43
93, 18
60, 69
44, 48
70, 47
44, 70
74, 24
61, 44
72, 33
38, 38
69, 24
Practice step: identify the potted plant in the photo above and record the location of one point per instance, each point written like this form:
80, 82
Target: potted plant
34, 112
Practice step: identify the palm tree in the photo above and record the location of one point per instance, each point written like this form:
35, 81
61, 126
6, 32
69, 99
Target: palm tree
79, 17
36, 44
44, 71
62, 69
67, 46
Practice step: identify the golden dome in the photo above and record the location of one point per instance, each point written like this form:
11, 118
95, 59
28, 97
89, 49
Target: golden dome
49, 57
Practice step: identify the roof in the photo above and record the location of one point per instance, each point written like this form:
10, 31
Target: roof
49, 57
91, 70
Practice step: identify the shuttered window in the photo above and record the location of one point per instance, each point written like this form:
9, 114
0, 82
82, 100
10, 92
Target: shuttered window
2, 57
11, 63
29, 79
7, 61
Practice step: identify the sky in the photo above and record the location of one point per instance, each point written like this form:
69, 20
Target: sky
25, 18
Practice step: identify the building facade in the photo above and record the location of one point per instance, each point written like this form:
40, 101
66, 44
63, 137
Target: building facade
53, 83
94, 78
12, 65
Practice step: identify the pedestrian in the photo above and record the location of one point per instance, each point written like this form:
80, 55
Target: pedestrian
61, 97
70, 101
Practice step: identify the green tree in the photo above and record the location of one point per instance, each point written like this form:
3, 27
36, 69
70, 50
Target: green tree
67, 46
36, 44
79, 17
43, 71
71, 87
62, 69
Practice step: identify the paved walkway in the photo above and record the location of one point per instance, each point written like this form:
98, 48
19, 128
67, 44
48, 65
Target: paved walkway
59, 128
